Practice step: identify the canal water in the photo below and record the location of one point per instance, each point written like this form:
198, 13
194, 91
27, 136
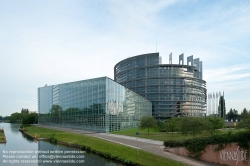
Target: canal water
24, 151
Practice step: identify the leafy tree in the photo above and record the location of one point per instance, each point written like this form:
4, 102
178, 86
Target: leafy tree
236, 115
30, 119
216, 123
244, 113
16, 118
232, 114
147, 122
24, 111
172, 125
222, 107
194, 125
161, 125
245, 122
6, 117
24, 117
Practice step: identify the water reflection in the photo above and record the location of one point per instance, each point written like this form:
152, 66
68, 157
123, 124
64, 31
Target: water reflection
27, 152
28, 138
14, 128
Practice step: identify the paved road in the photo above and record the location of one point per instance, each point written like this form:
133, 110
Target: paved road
152, 146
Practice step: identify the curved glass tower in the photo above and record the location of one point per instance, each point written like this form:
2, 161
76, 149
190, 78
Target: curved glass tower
173, 89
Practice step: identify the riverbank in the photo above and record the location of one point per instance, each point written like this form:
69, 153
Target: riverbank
2, 136
4, 121
102, 147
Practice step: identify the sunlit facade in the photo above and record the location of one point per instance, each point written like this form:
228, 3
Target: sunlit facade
99, 105
173, 89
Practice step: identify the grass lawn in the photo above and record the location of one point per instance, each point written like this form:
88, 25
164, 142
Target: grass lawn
113, 150
164, 136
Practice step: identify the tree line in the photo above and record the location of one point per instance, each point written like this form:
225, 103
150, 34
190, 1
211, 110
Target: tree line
25, 117
184, 125
233, 114
4, 118
196, 125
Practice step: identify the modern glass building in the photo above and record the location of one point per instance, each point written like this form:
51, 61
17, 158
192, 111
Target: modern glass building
173, 89
99, 105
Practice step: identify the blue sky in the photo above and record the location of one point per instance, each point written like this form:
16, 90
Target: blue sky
52, 42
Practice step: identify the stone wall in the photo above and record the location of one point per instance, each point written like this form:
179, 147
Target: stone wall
230, 155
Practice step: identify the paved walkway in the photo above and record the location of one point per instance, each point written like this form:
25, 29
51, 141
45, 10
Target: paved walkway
152, 146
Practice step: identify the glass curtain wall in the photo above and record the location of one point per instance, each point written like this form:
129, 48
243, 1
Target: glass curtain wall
173, 89
99, 105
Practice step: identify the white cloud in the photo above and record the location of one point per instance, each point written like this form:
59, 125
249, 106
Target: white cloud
227, 73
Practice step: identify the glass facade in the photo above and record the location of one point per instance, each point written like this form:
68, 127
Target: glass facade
173, 89
99, 105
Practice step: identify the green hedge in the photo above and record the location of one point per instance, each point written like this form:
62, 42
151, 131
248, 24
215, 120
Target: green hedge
197, 145
173, 143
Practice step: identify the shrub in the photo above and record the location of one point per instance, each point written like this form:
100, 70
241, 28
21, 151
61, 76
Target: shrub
52, 139
173, 143
245, 123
